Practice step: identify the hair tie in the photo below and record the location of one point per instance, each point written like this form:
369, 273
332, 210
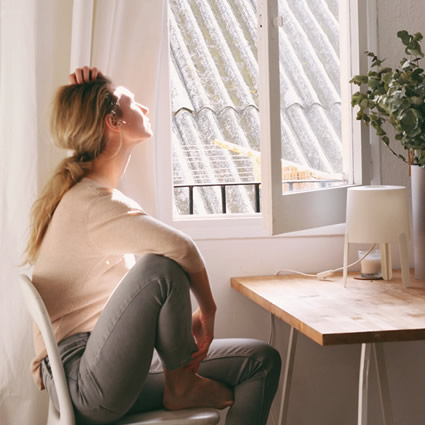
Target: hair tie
82, 157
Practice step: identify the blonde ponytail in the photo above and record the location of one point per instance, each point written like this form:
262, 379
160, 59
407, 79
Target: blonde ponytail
77, 123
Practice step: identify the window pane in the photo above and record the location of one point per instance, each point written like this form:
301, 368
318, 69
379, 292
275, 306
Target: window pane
310, 101
214, 79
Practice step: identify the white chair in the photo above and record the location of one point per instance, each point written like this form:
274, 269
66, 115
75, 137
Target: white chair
38, 312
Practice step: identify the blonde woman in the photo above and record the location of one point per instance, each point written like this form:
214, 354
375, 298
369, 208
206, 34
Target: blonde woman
126, 333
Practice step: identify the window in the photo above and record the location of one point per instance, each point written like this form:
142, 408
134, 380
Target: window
215, 116
286, 212
234, 64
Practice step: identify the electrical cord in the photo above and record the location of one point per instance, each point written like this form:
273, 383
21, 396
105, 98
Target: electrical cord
325, 274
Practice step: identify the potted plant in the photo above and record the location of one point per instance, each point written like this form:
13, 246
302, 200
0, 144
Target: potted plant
396, 98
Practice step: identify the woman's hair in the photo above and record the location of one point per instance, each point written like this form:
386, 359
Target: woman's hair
77, 123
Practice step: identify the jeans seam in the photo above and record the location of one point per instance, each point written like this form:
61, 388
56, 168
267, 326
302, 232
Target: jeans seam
131, 299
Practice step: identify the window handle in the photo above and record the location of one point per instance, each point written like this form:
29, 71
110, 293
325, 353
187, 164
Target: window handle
278, 21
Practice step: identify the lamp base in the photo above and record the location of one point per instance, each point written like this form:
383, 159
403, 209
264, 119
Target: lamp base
369, 277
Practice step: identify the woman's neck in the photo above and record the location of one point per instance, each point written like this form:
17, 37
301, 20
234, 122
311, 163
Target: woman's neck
108, 169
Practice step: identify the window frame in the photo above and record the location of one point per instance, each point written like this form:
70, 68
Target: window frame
362, 19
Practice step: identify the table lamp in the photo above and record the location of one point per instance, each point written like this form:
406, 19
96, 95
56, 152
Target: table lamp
379, 214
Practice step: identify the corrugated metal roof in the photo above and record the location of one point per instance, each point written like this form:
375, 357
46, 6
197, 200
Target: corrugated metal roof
215, 94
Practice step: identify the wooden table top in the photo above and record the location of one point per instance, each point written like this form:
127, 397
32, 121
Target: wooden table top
329, 314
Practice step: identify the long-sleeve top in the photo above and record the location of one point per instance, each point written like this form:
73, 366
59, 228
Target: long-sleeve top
89, 247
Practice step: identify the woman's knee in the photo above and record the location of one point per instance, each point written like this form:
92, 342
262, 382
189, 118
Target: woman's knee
268, 356
152, 267
240, 359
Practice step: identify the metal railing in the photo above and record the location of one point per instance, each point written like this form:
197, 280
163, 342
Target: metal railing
222, 187
290, 184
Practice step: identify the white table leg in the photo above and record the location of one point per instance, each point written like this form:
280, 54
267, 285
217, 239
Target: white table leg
384, 392
290, 357
363, 384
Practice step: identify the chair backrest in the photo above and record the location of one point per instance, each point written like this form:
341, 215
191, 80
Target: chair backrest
38, 312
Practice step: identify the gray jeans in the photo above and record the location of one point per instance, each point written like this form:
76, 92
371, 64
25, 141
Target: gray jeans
145, 327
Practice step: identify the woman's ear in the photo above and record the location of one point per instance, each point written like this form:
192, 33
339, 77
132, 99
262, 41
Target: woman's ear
112, 122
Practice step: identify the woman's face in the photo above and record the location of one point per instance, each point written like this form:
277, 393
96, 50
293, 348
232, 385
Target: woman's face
135, 125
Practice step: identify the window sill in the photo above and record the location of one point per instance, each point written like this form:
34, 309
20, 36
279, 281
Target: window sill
243, 226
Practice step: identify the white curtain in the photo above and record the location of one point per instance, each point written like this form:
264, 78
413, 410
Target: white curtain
128, 40
40, 41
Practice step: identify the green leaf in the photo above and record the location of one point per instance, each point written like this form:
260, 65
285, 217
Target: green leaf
380, 131
417, 100
357, 98
416, 74
414, 48
418, 36
359, 80
416, 51
384, 70
404, 36
374, 83
411, 121
387, 77
364, 104
377, 62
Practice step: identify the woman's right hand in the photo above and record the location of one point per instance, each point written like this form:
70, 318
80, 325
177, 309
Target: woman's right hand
203, 332
84, 75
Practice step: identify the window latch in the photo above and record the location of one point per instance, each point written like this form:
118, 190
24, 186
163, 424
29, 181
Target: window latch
278, 21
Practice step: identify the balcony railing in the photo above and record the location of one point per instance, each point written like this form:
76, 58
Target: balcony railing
288, 186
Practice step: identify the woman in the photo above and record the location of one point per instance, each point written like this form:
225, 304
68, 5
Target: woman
127, 336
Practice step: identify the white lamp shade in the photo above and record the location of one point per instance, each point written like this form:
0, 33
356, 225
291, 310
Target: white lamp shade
377, 214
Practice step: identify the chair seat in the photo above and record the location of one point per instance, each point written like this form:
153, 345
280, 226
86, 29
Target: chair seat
176, 417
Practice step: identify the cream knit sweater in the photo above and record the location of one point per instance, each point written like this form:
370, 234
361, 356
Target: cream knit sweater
88, 248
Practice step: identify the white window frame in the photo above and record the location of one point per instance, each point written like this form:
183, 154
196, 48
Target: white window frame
360, 16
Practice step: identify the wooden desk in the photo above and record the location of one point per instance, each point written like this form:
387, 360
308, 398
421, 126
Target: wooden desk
364, 312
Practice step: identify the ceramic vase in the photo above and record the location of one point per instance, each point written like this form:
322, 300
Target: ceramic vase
418, 217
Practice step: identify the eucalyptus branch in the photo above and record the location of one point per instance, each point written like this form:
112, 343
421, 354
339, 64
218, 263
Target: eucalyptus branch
395, 97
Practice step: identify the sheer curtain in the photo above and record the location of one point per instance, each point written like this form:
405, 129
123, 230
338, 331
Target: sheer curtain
40, 41
129, 40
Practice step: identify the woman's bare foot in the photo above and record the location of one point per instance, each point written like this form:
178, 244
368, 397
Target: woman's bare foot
185, 389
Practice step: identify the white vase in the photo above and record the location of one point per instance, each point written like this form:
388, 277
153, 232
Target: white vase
418, 216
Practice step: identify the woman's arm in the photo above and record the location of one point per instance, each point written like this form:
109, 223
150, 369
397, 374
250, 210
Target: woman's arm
202, 291
204, 316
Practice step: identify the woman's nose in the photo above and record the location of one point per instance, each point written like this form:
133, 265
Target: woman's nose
144, 108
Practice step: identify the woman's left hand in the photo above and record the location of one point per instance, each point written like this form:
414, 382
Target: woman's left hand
203, 332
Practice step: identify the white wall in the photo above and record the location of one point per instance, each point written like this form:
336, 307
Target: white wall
325, 379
